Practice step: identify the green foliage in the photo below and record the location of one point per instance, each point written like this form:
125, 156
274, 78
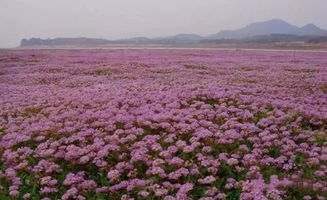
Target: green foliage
229, 148
233, 194
141, 168
219, 121
297, 192
168, 168
321, 139
268, 171
120, 125
32, 161
29, 185
185, 136
211, 101
5, 116
1, 131
274, 152
4, 182
163, 144
57, 136
224, 172
308, 172
205, 100
289, 120
300, 159
259, 115
186, 156
30, 143
231, 102
198, 191
270, 107
300, 140
226, 148
306, 126
32, 111
324, 88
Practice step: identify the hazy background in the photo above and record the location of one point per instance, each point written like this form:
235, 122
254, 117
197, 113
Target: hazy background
115, 19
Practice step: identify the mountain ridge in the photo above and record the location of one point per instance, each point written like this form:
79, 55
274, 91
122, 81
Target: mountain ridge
266, 28
274, 26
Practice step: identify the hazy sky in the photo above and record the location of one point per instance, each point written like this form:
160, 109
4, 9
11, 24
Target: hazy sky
114, 19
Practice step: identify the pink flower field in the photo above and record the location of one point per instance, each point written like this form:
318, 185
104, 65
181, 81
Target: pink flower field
163, 124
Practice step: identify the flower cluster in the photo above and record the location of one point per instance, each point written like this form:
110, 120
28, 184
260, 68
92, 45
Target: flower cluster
163, 124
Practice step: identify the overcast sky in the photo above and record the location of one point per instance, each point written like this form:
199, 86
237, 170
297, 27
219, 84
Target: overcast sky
115, 19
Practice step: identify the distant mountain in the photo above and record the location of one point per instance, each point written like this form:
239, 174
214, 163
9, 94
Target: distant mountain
81, 41
186, 37
178, 39
271, 31
89, 42
275, 26
269, 39
311, 29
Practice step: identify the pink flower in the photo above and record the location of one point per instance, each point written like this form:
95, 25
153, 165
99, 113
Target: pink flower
14, 193
113, 175
232, 161
27, 196
143, 193
207, 180
84, 159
